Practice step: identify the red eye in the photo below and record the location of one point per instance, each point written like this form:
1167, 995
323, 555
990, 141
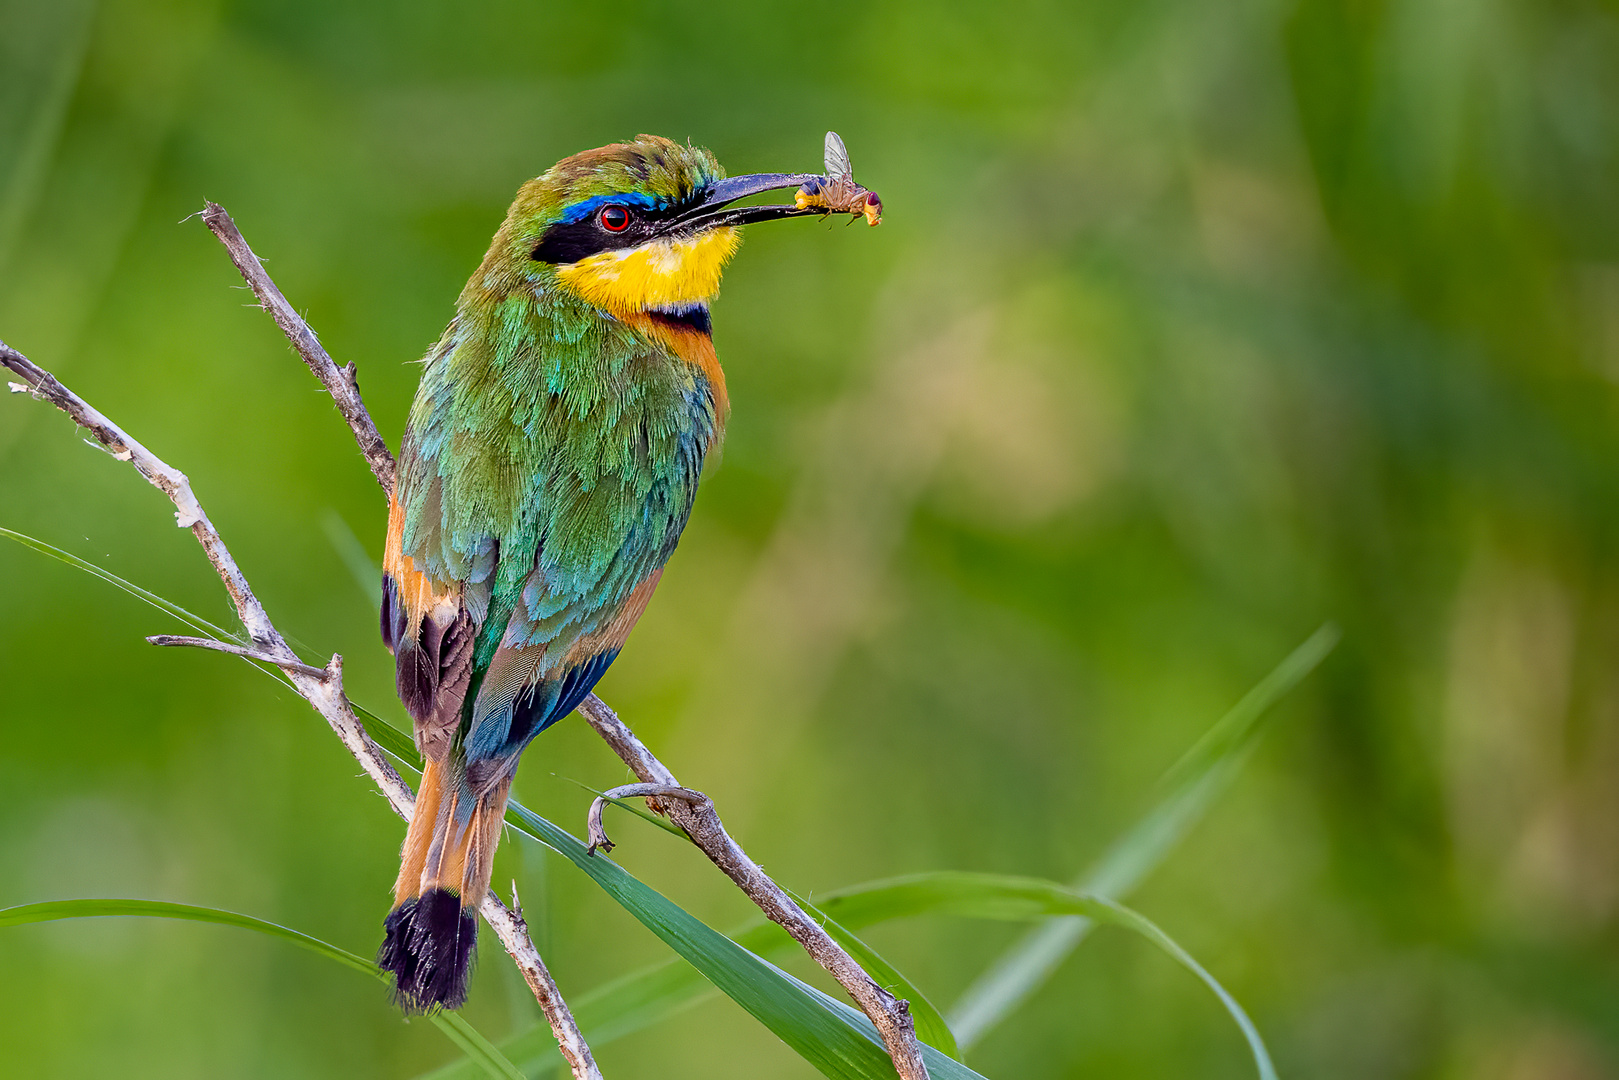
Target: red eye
615, 218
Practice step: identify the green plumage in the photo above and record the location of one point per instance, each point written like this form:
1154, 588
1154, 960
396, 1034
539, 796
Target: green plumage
548, 468
559, 445
553, 451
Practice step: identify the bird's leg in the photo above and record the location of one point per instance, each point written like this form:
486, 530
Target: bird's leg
598, 835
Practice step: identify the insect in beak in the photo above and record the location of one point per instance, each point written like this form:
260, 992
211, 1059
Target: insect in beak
833, 193
836, 192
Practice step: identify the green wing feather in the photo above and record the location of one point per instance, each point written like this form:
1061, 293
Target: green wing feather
549, 467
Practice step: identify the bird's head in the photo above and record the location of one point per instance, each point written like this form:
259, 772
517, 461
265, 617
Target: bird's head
642, 226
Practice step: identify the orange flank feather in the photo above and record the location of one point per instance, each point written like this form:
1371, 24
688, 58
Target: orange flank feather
419, 595
611, 638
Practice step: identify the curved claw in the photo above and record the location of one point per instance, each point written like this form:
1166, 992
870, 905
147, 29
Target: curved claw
597, 835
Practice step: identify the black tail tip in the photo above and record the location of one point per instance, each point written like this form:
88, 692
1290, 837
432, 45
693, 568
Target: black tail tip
427, 948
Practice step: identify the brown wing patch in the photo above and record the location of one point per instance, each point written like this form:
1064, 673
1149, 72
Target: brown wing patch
432, 636
446, 661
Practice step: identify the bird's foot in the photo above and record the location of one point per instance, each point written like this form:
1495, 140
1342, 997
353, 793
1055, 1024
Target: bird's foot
598, 835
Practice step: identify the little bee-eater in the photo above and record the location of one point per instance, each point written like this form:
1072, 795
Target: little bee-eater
548, 468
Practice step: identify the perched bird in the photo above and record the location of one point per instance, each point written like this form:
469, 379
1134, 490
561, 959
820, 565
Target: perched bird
548, 467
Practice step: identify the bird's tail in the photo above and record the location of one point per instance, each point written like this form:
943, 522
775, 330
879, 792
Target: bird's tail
443, 875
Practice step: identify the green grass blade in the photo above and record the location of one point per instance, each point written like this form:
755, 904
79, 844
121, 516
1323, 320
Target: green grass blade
1236, 728
1000, 896
611, 1011
191, 619
478, 1049
367, 574
930, 1025
53, 910
463, 1034
628, 1004
1111, 911
196, 622
653, 994
838, 1042
1190, 786
828, 1038
824, 1037
391, 739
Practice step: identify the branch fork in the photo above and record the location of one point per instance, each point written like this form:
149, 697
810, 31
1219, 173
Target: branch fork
891, 1015
323, 689
249, 654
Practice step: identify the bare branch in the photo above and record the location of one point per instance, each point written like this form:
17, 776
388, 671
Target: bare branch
697, 816
891, 1015
342, 383
172, 482
511, 928
238, 650
322, 688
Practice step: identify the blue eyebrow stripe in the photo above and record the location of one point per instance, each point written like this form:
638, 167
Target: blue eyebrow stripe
587, 207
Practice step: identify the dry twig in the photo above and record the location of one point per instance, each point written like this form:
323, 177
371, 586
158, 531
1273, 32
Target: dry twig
322, 688
341, 382
238, 650
890, 1015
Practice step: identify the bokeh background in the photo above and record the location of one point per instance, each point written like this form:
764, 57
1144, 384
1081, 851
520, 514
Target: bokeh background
1191, 327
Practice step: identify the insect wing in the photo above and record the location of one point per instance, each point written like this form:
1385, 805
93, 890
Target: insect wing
837, 158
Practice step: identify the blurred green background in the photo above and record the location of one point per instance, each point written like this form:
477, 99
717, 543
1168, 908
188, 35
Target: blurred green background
1190, 327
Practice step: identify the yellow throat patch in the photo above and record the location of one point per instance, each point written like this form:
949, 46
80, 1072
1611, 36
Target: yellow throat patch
661, 274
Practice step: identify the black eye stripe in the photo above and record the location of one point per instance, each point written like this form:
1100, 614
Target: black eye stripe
570, 242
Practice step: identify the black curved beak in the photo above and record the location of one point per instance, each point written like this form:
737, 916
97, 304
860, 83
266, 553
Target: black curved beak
715, 209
